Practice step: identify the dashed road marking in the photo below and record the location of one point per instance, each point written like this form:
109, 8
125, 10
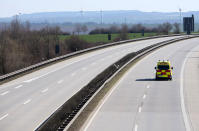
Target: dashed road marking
4, 93
93, 63
136, 127
144, 96
102, 59
84, 68
1, 118
26, 102
148, 86
30, 80
45, 90
140, 109
60, 81
73, 74
17, 87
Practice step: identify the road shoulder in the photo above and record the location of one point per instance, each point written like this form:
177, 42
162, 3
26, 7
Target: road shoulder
191, 89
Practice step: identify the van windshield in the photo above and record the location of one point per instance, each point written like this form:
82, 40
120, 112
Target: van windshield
163, 67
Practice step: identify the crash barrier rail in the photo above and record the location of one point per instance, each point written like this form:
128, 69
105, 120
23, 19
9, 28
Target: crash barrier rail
44, 63
68, 114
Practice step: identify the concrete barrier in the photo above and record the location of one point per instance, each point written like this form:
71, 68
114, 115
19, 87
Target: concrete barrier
68, 114
44, 63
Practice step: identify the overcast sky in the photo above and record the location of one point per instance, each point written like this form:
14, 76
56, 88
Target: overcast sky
13, 7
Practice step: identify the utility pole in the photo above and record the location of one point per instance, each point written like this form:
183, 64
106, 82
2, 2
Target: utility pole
180, 10
101, 16
82, 13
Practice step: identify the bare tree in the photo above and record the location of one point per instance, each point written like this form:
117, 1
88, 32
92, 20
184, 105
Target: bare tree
137, 28
124, 32
27, 26
15, 28
114, 29
78, 28
84, 28
166, 28
176, 28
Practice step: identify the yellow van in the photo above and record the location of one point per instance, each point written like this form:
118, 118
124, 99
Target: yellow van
164, 70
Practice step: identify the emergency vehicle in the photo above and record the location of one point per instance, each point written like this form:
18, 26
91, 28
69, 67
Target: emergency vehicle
163, 70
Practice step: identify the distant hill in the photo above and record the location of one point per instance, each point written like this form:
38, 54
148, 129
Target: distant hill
108, 17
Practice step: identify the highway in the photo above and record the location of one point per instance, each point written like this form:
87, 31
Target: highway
28, 101
137, 102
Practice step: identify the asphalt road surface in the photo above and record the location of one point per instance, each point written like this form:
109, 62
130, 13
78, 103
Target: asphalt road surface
28, 101
140, 103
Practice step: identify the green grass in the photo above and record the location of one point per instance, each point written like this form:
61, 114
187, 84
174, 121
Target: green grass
104, 37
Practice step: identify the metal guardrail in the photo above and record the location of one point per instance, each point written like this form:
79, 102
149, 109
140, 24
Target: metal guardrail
18, 72
72, 109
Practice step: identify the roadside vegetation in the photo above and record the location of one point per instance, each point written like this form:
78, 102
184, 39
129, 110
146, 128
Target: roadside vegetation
21, 47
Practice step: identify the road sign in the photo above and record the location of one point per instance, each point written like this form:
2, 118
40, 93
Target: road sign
188, 24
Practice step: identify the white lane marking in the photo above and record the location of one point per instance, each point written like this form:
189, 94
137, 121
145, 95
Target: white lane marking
84, 68
185, 116
110, 56
140, 109
17, 87
4, 93
45, 90
30, 80
105, 99
102, 59
93, 63
60, 81
73, 74
136, 127
26, 102
124, 51
1, 118
148, 86
144, 96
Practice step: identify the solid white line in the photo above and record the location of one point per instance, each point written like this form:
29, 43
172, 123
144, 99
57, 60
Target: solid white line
6, 92
26, 102
144, 96
93, 63
30, 80
140, 109
45, 90
185, 116
136, 127
1, 118
17, 87
84, 68
102, 59
73, 74
106, 98
60, 81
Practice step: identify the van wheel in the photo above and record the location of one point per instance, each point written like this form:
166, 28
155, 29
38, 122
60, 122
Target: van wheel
156, 77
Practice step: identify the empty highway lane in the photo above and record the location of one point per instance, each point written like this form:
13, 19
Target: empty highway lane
140, 103
28, 101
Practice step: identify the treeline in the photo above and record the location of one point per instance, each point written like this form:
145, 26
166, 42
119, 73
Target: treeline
164, 28
21, 47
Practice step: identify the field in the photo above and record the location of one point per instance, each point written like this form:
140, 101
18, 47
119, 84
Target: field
104, 37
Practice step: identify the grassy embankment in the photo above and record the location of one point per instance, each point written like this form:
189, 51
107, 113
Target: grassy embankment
104, 37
